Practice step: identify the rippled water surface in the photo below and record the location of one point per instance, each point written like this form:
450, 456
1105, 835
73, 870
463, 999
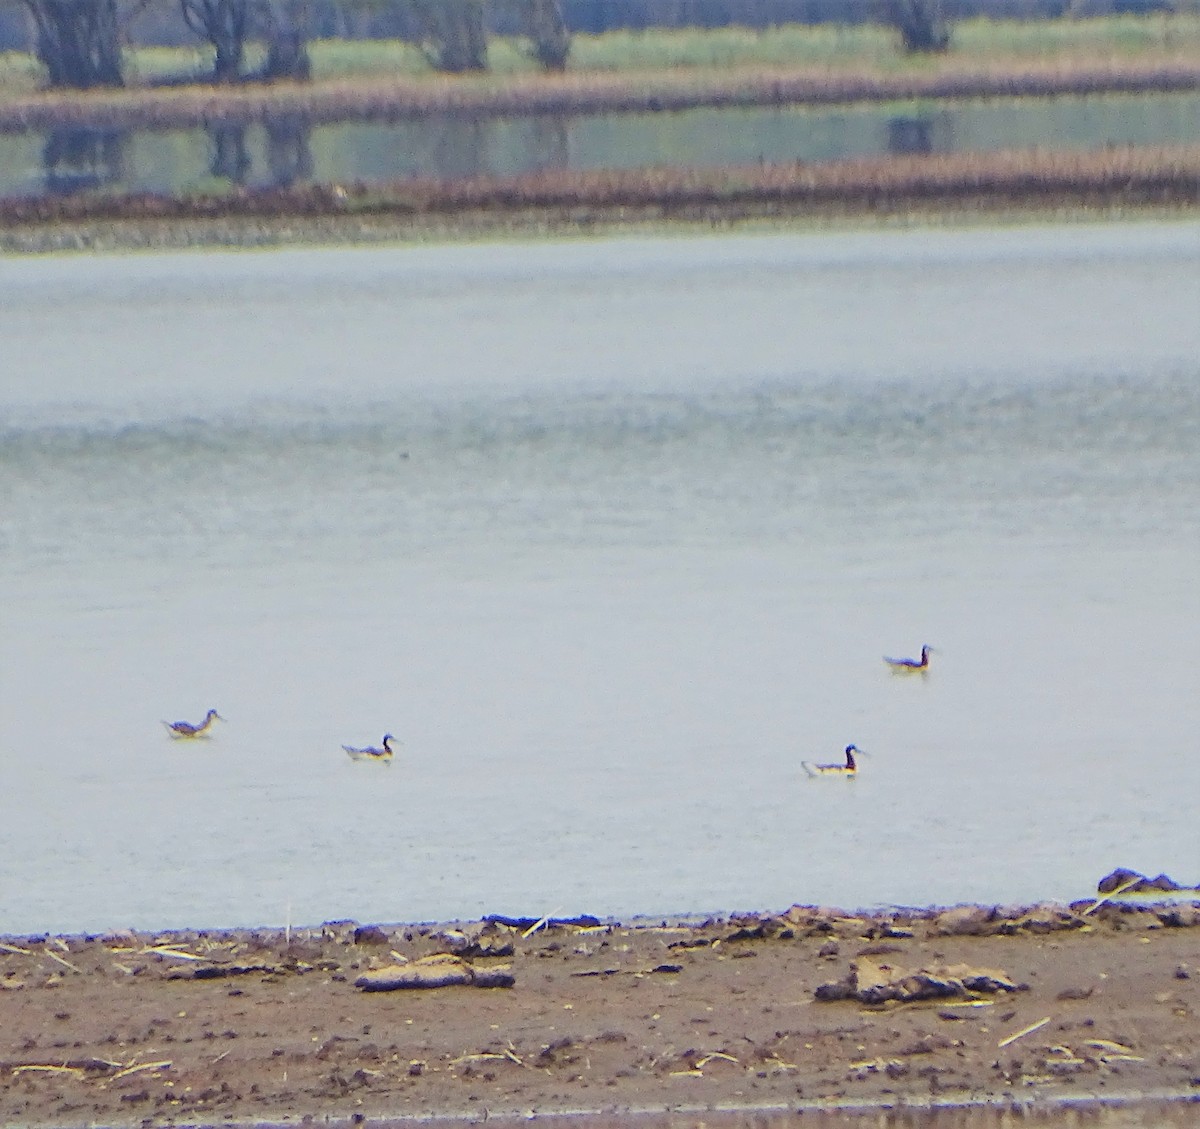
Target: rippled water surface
612, 535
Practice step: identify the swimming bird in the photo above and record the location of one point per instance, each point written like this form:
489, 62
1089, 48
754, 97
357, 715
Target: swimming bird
850, 768
371, 752
909, 666
186, 729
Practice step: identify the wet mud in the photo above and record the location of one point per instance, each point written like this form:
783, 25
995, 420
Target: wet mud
810, 1009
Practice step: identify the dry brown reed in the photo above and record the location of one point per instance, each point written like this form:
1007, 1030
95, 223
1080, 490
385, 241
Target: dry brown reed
1125, 177
397, 99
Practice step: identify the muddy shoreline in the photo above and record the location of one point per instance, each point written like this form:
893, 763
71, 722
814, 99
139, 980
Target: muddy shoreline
974, 187
812, 1008
119, 236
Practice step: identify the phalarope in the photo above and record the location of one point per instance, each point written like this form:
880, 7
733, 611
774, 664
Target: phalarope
910, 666
186, 729
371, 752
850, 768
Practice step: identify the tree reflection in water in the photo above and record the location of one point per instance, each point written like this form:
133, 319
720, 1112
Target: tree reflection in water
459, 146
549, 142
77, 158
230, 157
920, 133
456, 146
289, 150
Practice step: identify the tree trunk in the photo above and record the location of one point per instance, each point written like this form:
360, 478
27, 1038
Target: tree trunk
225, 24
547, 29
78, 42
453, 37
923, 24
287, 43
287, 56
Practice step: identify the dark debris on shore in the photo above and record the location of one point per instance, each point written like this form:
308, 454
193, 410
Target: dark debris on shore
1126, 900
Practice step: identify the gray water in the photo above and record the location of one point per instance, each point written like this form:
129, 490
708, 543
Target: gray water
1141, 1114
286, 151
611, 535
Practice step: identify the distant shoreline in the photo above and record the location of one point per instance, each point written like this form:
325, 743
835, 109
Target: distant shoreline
1040, 1007
923, 188
383, 99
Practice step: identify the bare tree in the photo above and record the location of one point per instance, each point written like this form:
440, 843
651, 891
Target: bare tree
229, 24
452, 33
226, 25
285, 26
78, 42
924, 25
546, 27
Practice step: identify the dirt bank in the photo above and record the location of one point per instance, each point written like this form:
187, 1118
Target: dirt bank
800, 1009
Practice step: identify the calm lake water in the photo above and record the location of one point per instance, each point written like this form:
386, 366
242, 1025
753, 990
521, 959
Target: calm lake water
611, 534
1142, 1115
288, 151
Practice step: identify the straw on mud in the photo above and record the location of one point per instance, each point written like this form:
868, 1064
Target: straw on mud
1112, 1052
47, 1069
701, 1063
65, 963
144, 1066
1112, 894
1023, 1032
15, 949
539, 924
164, 951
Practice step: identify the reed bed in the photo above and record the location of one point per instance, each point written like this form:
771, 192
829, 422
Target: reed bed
1124, 177
398, 99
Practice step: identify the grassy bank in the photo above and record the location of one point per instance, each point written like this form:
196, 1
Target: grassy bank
1161, 35
580, 93
649, 70
796, 45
